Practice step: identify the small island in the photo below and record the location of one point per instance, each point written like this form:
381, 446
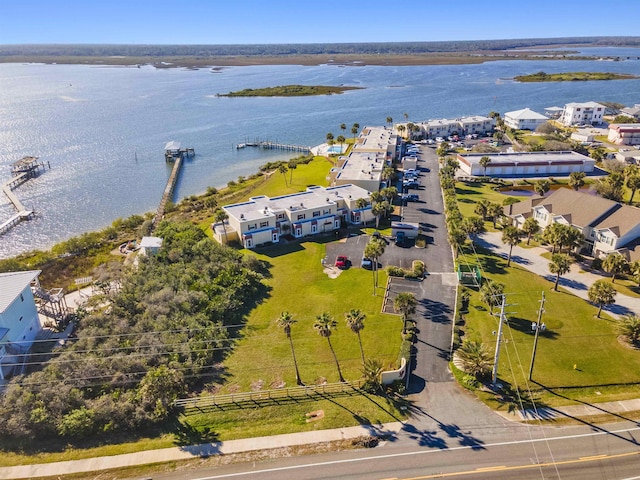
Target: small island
289, 91
572, 77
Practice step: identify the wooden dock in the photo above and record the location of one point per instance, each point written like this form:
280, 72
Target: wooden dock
173, 151
22, 170
284, 146
168, 191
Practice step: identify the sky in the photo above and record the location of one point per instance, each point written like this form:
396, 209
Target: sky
307, 21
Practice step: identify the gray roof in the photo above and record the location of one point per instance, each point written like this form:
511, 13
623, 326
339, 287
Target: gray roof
581, 209
12, 284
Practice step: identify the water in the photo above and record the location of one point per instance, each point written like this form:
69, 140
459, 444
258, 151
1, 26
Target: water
102, 129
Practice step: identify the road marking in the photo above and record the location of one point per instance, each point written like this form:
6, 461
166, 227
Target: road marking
426, 452
594, 457
488, 469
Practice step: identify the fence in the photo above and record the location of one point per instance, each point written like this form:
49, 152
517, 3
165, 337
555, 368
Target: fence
268, 397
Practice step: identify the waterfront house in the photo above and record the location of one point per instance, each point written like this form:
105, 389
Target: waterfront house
633, 112
542, 164
582, 113
317, 210
150, 245
624, 133
525, 119
476, 124
19, 321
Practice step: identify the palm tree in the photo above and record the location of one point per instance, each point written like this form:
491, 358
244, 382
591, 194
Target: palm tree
355, 321
634, 268
324, 325
629, 327
410, 129
472, 226
389, 120
292, 166
511, 236
560, 264
495, 210
553, 234
285, 321
388, 173
401, 129
329, 138
354, 132
541, 187
376, 197
343, 127
220, 217
475, 358
371, 371
482, 208
389, 193
341, 141
530, 227
484, 161
406, 116
576, 180
283, 170
457, 238
356, 126
405, 304
633, 184
379, 210
601, 293
491, 293
374, 250
615, 264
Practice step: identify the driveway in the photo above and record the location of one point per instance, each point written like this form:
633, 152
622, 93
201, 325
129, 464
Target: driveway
577, 281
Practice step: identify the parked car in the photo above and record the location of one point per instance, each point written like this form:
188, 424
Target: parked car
342, 261
400, 238
411, 197
366, 263
411, 171
411, 184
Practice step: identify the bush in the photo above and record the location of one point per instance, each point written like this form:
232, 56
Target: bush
418, 268
393, 271
596, 264
470, 382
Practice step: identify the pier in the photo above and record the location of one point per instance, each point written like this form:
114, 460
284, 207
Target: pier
21, 171
174, 150
275, 146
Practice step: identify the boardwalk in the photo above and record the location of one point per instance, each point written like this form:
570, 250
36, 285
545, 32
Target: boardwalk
168, 191
23, 213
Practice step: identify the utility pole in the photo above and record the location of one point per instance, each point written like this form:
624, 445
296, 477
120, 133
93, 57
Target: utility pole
494, 373
535, 339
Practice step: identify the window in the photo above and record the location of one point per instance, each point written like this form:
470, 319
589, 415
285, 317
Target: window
314, 228
301, 216
264, 224
274, 237
252, 227
326, 211
316, 213
21, 298
281, 216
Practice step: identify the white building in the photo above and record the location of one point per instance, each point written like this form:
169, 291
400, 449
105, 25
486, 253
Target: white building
150, 245
19, 321
582, 113
525, 119
458, 126
624, 134
526, 163
315, 211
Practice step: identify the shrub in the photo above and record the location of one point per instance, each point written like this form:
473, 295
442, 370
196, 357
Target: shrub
596, 264
418, 268
394, 271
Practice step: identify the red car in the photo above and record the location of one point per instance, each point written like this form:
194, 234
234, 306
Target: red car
341, 261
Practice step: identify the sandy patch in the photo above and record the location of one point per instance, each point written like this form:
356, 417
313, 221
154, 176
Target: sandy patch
332, 272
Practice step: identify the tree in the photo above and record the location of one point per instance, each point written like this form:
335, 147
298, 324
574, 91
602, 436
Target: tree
443, 149
559, 265
601, 293
475, 358
221, 217
629, 327
576, 180
374, 250
491, 293
553, 235
283, 170
389, 121
341, 141
541, 187
410, 129
388, 174
457, 238
286, 321
376, 197
511, 237
615, 264
343, 127
472, 226
361, 203
406, 116
546, 128
495, 211
405, 304
372, 371
482, 208
381, 209
598, 154
633, 184
324, 325
355, 321
634, 268
401, 129
389, 193
330, 138
292, 165
354, 132
530, 227
484, 161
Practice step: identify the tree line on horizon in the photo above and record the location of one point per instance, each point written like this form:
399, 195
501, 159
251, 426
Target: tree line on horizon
379, 48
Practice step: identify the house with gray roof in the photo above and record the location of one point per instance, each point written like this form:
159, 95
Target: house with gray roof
525, 119
19, 321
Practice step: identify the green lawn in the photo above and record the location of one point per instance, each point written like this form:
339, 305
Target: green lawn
604, 369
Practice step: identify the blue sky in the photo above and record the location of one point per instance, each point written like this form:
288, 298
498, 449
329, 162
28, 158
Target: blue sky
305, 21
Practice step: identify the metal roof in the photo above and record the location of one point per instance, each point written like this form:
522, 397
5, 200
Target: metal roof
12, 284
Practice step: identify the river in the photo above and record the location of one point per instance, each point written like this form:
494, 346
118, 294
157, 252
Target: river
102, 129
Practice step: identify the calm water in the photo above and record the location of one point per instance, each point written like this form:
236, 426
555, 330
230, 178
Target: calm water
102, 129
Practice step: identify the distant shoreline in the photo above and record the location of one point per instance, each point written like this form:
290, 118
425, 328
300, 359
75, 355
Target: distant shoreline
340, 60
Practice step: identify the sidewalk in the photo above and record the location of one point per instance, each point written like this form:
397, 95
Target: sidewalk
195, 451
576, 281
617, 409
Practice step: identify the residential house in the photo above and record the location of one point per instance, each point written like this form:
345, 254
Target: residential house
582, 113
543, 164
607, 226
633, 112
476, 124
624, 134
19, 321
315, 211
150, 245
525, 119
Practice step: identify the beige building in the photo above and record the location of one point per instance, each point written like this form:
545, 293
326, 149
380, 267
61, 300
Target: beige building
525, 163
317, 210
624, 134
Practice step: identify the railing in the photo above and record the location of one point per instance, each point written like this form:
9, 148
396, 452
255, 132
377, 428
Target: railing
269, 397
